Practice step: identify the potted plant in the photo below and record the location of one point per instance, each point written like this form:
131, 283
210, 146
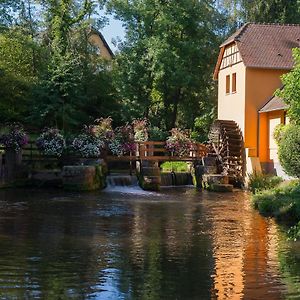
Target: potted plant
88, 145
14, 138
51, 142
123, 141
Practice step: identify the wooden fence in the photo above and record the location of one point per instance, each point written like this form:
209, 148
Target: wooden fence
156, 151
147, 151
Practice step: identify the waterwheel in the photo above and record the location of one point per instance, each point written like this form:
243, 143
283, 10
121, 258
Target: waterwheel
226, 143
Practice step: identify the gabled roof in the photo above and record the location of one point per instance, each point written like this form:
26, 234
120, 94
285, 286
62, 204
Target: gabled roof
265, 46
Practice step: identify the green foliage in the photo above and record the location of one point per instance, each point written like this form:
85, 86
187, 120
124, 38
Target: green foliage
281, 202
202, 126
17, 74
261, 11
165, 66
279, 132
289, 154
294, 232
258, 182
291, 91
157, 134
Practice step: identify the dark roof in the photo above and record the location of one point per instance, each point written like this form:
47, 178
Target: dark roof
266, 45
274, 103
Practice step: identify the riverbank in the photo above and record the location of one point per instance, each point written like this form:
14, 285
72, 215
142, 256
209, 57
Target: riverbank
283, 204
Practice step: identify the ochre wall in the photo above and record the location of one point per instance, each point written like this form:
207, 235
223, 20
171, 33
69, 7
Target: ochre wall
232, 106
261, 84
95, 40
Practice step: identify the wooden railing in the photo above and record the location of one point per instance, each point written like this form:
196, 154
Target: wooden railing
147, 151
156, 151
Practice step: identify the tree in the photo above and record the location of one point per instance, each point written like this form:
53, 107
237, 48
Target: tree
61, 94
261, 11
165, 66
16, 74
291, 91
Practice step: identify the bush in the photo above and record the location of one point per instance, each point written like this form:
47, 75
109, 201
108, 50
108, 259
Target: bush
289, 150
157, 134
259, 182
282, 202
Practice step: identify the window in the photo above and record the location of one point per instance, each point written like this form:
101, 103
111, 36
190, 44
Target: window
233, 83
227, 84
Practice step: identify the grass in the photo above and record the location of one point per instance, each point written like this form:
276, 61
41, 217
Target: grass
175, 166
282, 203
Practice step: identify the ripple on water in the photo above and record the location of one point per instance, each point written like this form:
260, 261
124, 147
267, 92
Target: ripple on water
177, 244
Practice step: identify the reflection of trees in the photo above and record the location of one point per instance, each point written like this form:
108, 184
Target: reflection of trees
289, 259
46, 251
165, 256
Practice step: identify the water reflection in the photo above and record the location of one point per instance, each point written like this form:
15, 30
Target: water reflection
180, 244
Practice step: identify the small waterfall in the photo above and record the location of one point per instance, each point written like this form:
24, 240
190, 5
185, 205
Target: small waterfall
176, 179
125, 184
121, 180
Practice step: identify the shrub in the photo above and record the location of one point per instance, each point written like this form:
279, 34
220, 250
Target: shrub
51, 142
289, 150
281, 202
279, 132
259, 182
157, 134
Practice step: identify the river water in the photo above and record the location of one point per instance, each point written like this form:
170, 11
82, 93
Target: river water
130, 244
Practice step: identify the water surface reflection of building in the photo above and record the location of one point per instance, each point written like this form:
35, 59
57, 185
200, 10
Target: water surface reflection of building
244, 248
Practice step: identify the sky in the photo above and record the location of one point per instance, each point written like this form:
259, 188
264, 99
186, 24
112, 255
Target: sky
113, 30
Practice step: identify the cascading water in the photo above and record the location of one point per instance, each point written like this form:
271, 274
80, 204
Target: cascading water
121, 180
123, 183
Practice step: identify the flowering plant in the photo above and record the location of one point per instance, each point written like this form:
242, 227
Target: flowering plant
15, 138
179, 143
88, 144
140, 130
51, 142
123, 141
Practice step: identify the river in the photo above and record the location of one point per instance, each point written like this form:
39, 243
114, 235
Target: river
130, 244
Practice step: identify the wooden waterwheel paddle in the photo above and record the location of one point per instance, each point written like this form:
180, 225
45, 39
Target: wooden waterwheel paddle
226, 141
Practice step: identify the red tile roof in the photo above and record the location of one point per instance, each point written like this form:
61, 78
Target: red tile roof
266, 45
